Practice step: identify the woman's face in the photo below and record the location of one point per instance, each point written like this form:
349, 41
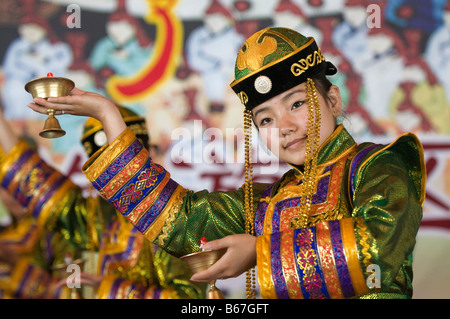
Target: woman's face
283, 121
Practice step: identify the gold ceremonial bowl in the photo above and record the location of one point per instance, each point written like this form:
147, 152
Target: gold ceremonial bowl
202, 260
46, 87
50, 86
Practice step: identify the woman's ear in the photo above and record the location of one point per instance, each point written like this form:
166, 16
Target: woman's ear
335, 101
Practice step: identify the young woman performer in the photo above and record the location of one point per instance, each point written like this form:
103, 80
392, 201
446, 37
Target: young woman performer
341, 223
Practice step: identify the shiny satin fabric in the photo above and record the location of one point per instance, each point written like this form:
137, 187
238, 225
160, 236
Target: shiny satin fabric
368, 205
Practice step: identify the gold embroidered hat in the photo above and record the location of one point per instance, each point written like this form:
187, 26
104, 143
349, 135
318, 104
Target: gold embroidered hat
94, 137
274, 60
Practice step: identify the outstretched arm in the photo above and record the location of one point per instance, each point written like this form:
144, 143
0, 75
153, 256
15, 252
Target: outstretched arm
84, 103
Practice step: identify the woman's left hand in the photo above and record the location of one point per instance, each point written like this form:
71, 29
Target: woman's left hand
239, 257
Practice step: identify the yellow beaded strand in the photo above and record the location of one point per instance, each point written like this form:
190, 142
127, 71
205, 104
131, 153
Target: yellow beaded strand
248, 198
312, 147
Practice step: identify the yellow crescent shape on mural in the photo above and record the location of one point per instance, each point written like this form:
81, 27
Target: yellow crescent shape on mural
163, 61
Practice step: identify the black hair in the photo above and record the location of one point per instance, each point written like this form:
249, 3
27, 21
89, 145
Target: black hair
323, 84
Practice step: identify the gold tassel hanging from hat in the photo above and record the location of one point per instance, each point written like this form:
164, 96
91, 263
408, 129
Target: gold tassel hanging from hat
309, 173
312, 147
248, 197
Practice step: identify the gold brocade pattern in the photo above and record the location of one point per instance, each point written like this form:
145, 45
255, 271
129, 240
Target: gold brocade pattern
364, 235
9, 158
352, 257
172, 211
103, 159
143, 270
332, 208
254, 52
310, 61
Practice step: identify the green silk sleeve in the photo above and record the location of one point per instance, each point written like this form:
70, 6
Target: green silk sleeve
164, 211
388, 198
206, 214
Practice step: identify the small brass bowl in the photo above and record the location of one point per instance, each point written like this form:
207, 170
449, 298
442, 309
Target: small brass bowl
202, 260
46, 87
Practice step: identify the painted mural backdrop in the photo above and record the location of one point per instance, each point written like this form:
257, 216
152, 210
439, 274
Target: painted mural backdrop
172, 61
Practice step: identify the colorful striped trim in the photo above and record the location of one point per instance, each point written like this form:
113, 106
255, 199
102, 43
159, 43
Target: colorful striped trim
27, 272
283, 211
308, 265
120, 254
340, 261
351, 254
148, 201
266, 285
363, 233
114, 185
158, 206
11, 157
28, 281
261, 210
59, 196
139, 189
164, 222
107, 155
28, 177
288, 260
44, 193
327, 260
313, 262
145, 180
355, 164
31, 180
276, 265
124, 159
115, 288
106, 286
12, 170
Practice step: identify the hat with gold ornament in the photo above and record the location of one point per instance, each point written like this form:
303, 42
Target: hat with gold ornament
274, 60
94, 137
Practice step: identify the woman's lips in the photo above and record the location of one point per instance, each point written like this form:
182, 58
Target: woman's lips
294, 143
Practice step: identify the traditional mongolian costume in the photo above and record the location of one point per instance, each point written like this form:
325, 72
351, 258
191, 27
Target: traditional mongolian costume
343, 225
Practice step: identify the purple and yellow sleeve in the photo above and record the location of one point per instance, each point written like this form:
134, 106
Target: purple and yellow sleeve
37, 186
115, 287
168, 214
138, 188
313, 262
29, 281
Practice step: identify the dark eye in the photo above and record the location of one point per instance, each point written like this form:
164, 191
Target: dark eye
297, 104
264, 121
